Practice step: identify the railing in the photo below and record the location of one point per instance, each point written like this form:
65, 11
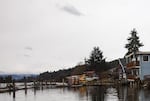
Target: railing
133, 64
132, 76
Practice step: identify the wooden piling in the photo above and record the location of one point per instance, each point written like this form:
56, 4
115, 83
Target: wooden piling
25, 83
14, 89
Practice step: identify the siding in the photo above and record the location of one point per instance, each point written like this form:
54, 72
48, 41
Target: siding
145, 67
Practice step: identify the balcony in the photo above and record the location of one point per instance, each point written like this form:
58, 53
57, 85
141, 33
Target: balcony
133, 64
133, 77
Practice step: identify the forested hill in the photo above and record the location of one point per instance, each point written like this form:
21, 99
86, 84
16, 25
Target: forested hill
59, 75
77, 70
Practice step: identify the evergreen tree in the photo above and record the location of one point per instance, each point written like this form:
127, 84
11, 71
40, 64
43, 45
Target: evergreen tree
134, 43
96, 57
96, 61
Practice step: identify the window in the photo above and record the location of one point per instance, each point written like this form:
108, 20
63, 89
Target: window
145, 58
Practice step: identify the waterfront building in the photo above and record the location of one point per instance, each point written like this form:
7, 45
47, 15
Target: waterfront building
138, 66
82, 79
73, 80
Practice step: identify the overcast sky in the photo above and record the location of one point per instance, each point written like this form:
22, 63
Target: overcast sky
47, 35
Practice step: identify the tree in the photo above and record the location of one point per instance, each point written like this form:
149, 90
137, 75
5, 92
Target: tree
96, 56
96, 61
134, 43
8, 79
1, 79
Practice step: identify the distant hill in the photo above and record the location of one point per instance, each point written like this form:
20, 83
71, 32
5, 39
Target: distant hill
61, 74
18, 76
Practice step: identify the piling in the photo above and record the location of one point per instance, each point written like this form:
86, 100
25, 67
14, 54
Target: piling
25, 85
14, 89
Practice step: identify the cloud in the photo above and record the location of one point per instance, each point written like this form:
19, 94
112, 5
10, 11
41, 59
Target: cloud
71, 9
26, 55
28, 48
28, 51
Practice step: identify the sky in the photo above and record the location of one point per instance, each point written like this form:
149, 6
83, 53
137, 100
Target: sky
47, 35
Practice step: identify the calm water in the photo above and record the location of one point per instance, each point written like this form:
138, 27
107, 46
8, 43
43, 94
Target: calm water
101, 93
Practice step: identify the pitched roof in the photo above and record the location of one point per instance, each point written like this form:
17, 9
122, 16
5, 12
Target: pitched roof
139, 53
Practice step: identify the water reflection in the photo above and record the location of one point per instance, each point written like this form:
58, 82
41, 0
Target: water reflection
91, 93
95, 93
111, 94
133, 94
119, 93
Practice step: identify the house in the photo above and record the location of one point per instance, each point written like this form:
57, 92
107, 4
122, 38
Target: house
138, 66
73, 80
90, 76
82, 79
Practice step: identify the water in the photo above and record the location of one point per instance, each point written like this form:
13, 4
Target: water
101, 93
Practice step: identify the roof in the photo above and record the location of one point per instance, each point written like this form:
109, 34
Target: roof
143, 53
139, 53
89, 72
73, 76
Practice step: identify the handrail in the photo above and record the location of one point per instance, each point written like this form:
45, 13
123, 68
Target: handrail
123, 70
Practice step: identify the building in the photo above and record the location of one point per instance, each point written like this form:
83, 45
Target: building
73, 80
90, 76
138, 66
82, 79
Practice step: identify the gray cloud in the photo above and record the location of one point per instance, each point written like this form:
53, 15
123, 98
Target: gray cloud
72, 10
28, 48
26, 55
28, 51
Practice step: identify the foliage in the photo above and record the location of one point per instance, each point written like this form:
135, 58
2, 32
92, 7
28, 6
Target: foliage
96, 61
96, 57
79, 69
61, 74
55, 76
134, 43
8, 79
1, 79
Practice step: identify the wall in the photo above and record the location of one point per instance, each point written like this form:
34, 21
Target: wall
144, 67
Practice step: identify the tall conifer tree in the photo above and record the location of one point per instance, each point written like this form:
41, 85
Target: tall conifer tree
134, 43
96, 56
